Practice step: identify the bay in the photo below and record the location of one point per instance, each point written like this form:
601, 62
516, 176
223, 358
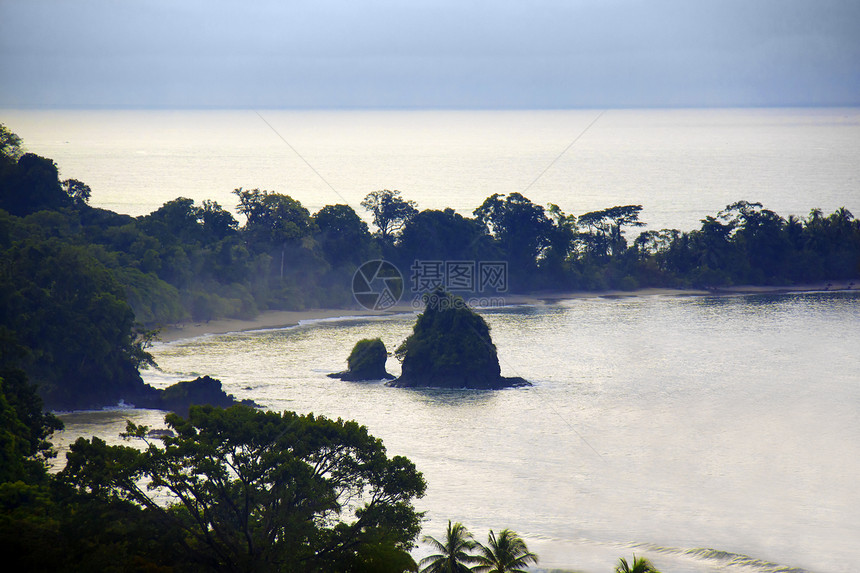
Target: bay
656, 425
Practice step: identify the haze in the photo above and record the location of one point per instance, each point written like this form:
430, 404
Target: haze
443, 54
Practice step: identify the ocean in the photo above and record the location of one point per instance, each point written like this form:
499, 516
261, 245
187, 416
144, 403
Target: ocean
708, 433
681, 165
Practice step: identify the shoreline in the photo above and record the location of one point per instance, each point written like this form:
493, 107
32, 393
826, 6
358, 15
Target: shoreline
275, 319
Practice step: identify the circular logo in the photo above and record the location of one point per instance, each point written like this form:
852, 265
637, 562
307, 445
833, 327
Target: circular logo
377, 285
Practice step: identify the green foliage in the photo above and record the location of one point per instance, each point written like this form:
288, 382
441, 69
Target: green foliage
10, 145
69, 312
639, 565
30, 185
367, 359
453, 553
24, 429
444, 235
506, 553
259, 491
343, 236
522, 229
390, 212
272, 218
450, 346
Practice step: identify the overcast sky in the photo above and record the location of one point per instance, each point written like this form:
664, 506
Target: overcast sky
420, 54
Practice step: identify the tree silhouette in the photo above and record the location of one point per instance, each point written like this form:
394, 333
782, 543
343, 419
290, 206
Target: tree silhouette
640, 565
506, 553
453, 551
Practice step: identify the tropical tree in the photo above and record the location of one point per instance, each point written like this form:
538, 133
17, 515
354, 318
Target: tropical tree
10, 144
454, 551
342, 235
261, 491
521, 227
639, 565
606, 235
390, 212
506, 553
78, 191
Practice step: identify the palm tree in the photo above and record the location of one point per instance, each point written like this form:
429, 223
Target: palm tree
640, 565
506, 553
454, 552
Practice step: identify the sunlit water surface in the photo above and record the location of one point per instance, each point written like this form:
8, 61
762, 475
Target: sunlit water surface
681, 165
656, 425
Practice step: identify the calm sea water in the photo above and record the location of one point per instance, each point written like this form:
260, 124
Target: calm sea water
680, 164
656, 425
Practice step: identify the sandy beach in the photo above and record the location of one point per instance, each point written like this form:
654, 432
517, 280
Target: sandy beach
287, 318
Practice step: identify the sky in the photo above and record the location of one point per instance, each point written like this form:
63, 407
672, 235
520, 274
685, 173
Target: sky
419, 54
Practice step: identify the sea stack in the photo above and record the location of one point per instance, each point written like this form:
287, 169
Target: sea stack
450, 347
366, 362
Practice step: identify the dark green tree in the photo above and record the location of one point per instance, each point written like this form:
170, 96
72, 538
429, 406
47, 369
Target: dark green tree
10, 145
522, 229
272, 217
390, 212
262, 491
30, 185
606, 228
444, 236
342, 236
78, 191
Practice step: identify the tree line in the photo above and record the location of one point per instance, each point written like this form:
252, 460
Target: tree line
81, 288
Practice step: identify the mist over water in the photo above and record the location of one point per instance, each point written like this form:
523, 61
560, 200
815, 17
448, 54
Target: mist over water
656, 425
681, 165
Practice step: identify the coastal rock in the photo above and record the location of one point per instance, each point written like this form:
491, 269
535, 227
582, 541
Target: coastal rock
181, 396
366, 362
450, 347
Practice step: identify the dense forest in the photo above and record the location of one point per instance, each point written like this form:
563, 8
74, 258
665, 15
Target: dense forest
82, 288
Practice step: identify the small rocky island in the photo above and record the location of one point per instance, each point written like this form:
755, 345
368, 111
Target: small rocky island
450, 347
181, 396
366, 362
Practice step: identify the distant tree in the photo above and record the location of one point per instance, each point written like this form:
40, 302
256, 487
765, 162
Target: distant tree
639, 565
521, 227
32, 184
390, 212
443, 235
10, 145
78, 191
506, 553
261, 491
274, 221
454, 551
174, 222
343, 236
217, 222
606, 228
273, 217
